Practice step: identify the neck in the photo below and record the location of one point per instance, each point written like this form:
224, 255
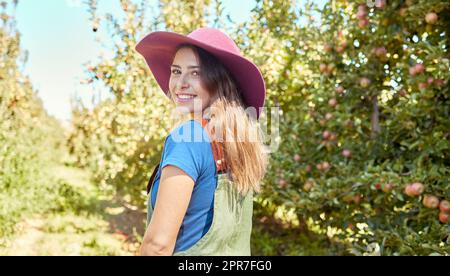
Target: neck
205, 114
195, 116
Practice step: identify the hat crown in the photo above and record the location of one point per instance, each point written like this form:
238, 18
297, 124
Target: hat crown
215, 38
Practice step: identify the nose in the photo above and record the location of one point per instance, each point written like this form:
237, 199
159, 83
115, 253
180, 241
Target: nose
183, 82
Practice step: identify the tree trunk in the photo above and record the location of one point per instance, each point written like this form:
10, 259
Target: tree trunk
375, 118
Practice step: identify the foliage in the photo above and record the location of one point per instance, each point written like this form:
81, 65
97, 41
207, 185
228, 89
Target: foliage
364, 125
29, 138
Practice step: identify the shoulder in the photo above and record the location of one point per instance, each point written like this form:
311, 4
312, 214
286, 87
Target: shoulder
188, 138
188, 148
189, 132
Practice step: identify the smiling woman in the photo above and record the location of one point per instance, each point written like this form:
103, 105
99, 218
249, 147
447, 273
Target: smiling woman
201, 196
186, 81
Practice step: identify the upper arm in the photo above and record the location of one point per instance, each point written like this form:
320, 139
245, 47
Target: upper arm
174, 194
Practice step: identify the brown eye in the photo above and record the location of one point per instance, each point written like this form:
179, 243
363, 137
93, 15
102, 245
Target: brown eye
175, 71
195, 73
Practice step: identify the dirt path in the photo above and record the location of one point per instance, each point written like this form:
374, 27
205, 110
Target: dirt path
24, 245
111, 228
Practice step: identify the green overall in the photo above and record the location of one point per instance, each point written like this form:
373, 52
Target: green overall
230, 231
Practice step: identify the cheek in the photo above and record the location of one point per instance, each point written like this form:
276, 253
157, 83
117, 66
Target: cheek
201, 90
204, 95
171, 84
171, 87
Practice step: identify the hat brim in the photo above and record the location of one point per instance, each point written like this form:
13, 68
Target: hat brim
158, 49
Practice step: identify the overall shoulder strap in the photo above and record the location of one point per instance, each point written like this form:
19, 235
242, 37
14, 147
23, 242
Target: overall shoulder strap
152, 178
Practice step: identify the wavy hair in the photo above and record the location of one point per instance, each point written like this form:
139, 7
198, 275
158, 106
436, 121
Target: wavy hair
236, 132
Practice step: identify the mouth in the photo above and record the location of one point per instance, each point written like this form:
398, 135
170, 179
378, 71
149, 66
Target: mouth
184, 98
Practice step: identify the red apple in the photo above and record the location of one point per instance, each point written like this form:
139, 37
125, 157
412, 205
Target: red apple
328, 116
380, 3
423, 85
326, 166
380, 51
409, 190
332, 102
364, 82
326, 134
417, 188
340, 49
282, 183
431, 18
420, 68
323, 68
402, 12
331, 67
440, 82
357, 199
378, 186
347, 153
430, 80
416, 69
297, 158
443, 217
308, 169
430, 201
387, 187
361, 14
444, 206
339, 89
363, 23
402, 93
319, 167
362, 7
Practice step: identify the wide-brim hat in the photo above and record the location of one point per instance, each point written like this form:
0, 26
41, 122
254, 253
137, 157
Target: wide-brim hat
159, 49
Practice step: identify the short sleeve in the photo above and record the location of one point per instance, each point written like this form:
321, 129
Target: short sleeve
187, 148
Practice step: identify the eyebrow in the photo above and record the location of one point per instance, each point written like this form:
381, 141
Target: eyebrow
189, 67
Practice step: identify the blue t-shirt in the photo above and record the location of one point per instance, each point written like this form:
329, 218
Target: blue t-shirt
188, 147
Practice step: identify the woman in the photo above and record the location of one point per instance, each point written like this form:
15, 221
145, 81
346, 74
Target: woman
201, 195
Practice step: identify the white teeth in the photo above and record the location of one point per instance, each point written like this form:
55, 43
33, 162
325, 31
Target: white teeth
186, 96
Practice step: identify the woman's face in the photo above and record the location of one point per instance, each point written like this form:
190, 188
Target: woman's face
185, 82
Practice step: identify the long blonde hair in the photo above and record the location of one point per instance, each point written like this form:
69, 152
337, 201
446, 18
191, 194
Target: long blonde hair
237, 132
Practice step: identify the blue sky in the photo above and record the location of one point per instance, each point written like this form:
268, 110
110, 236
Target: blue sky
57, 34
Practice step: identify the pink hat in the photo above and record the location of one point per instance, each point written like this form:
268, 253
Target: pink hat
158, 49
